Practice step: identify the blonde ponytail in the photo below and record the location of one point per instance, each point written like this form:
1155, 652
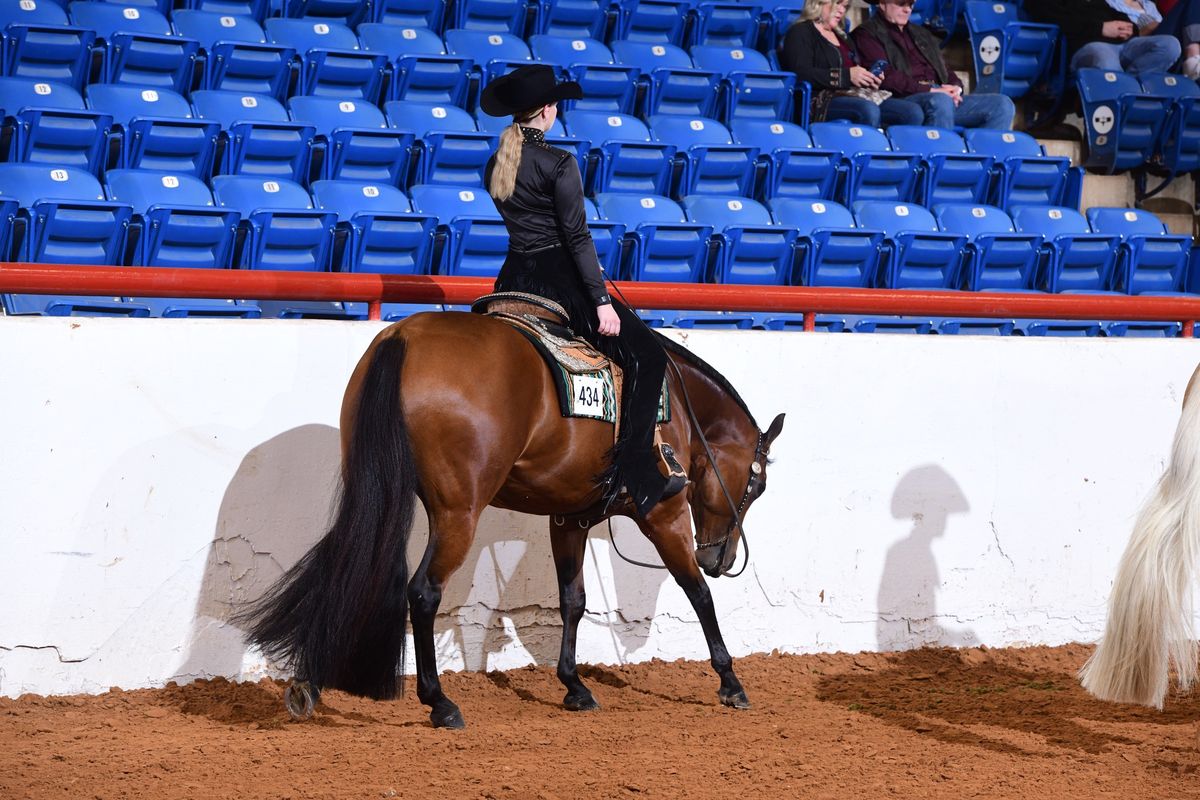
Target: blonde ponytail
508, 157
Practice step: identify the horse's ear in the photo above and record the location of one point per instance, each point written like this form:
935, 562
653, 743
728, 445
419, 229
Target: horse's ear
773, 431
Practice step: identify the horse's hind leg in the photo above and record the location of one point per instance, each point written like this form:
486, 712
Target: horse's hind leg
673, 543
450, 537
569, 542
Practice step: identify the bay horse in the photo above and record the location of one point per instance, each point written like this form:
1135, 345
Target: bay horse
459, 411
1150, 616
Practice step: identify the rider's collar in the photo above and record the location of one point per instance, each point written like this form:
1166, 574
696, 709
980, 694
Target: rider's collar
532, 135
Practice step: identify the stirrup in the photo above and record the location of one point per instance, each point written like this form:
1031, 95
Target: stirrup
669, 466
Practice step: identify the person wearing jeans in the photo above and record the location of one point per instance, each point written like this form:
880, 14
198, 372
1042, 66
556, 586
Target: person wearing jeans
1116, 35
919, 74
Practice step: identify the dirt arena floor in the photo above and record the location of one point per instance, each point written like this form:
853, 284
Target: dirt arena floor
923, 724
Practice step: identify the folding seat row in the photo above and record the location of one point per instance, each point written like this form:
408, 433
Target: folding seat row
932, 166
1131, 121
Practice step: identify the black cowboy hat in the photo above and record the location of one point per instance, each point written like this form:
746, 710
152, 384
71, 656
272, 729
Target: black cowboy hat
524, 89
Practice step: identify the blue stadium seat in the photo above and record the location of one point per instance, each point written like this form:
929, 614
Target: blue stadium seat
750, 247
726, 24
1179, 142
1143, 330
494, 53
1074, 258
624, 159
472, 239
1023, 174
978, 326
451, 150
1153, 261
607, 86
750, 87
424, 68
998, 257
49, 53
27, 13
358, 144
1122, 121
411, 13
655, 21
780, 17
790, 166
177, 225
831, 250
888, 324
949, 173
577, 19
708, 161
237, 56
607, 235
283, 231
333, 64
1012, 55
155, 129
489, 15
916, 254
50, 125
671, 83
394, 312
258, 137
63, 218
1075, 328
870, 169
350, 12
661, 245
384, 235
139, 46
255, 9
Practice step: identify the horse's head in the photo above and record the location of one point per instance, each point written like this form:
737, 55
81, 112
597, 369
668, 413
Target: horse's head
742, 464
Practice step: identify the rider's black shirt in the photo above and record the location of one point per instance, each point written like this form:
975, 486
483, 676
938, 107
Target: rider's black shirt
546, 209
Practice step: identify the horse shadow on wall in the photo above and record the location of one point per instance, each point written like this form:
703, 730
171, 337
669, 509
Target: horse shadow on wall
502, 601
907, 608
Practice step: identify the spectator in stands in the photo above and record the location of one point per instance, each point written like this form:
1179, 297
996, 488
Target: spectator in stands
818, 50
1115, 35
918, 73
1181, 19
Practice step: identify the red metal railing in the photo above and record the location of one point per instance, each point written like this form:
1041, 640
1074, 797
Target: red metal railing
376, 289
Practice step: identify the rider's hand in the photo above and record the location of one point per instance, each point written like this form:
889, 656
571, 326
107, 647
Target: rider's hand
610, 323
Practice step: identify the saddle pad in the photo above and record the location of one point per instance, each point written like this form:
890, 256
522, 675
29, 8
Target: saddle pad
588, 384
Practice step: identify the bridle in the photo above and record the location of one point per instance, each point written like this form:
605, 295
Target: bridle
752, 484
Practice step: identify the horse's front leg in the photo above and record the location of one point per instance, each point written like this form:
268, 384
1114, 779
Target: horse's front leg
569, 543
671, 533
450, 537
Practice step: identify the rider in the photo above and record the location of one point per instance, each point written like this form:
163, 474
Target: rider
539, 193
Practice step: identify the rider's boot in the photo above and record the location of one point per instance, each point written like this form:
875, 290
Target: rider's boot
668, 466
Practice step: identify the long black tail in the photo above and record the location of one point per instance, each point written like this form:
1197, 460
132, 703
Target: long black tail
337, 618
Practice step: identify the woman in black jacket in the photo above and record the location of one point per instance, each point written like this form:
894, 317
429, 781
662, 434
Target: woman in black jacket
817, 49
538, 191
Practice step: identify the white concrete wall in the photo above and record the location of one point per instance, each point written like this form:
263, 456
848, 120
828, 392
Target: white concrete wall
925, 490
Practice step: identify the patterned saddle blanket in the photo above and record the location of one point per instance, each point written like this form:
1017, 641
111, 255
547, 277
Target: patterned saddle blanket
588, 383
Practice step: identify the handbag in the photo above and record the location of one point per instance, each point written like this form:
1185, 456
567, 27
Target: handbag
876, 96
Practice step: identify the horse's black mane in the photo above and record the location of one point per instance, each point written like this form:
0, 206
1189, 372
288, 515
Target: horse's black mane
708, 370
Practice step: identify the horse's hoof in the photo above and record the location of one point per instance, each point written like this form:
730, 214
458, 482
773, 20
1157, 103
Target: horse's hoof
736, 699
300, 698
583, 702
447, 718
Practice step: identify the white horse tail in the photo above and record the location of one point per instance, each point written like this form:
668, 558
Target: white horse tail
1150, 610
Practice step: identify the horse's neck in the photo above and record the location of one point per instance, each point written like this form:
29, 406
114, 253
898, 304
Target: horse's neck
720, 416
